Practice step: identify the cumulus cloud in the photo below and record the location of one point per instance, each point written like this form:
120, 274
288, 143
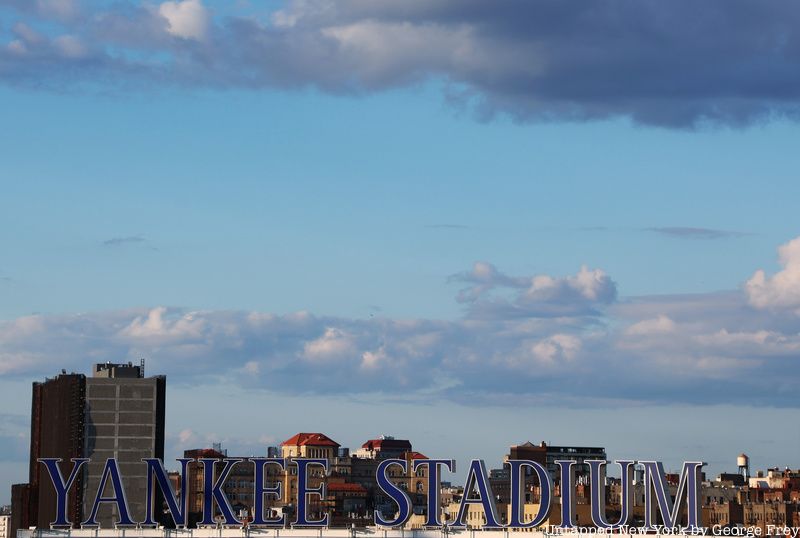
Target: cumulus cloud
782, 290
674, 64
660, 325
186, 436
155, 326
71, 46
374, 360
187, 18
584, 293
60, 10
587, 285
551, 339
334, 344
557, 347
482, 278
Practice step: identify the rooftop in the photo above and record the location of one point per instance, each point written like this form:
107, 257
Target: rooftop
310, 439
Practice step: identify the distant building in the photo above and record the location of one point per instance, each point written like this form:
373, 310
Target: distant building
548, 455
310, 445
723, 514
57, 431
775, 479
579, 454
347, 504
734, 479
117, 413
307, 445
351, 491
384, 447
5, 526
124, 419
238, 488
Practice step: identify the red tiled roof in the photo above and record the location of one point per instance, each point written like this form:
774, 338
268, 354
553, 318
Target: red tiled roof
311, 439
352, 488
414, 455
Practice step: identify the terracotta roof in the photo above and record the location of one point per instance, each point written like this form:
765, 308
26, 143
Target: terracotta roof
414, 455
311, 439
352, 488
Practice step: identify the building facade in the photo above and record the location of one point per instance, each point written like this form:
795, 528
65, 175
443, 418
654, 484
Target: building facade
116, 413
123, 419
5, 526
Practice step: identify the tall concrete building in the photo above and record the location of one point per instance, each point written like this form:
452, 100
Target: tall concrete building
124, 419
116, 413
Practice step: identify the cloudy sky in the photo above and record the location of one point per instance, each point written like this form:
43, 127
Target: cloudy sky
467, 223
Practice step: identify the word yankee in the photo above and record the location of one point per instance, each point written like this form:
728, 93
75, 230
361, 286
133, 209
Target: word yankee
477, 491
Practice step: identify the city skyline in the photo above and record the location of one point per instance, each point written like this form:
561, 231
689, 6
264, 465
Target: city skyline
465, 446
467, 226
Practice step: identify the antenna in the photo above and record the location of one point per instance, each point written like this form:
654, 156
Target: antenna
141, 367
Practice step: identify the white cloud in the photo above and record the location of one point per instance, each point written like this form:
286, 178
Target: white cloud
493, 294
17, 47
71, 46
252, 368
559, 347
659, 325
333, 345
782, 290
559, 330
58, 9
372, 360
157, 325
187, 436
188, 19
589, 285
28, 34
388, 53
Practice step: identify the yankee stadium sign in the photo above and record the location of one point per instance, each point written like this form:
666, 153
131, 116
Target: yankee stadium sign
658, 499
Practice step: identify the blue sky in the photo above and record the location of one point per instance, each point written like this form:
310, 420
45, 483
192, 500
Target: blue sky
408, 212
245, 200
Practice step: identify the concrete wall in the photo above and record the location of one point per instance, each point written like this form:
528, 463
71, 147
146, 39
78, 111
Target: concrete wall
124, 420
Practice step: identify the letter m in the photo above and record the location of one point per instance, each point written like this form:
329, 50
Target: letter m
657, 495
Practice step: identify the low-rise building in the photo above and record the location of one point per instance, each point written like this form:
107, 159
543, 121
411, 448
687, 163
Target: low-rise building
5, 525
383, 447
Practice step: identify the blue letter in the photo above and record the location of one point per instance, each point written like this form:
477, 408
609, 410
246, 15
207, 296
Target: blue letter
61, 487
398, 495
477, 476
567, 487
213, 490
518, 493
689, 484
434, 487
261, 490
303, 491
597, 470
111, 470
156, 469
